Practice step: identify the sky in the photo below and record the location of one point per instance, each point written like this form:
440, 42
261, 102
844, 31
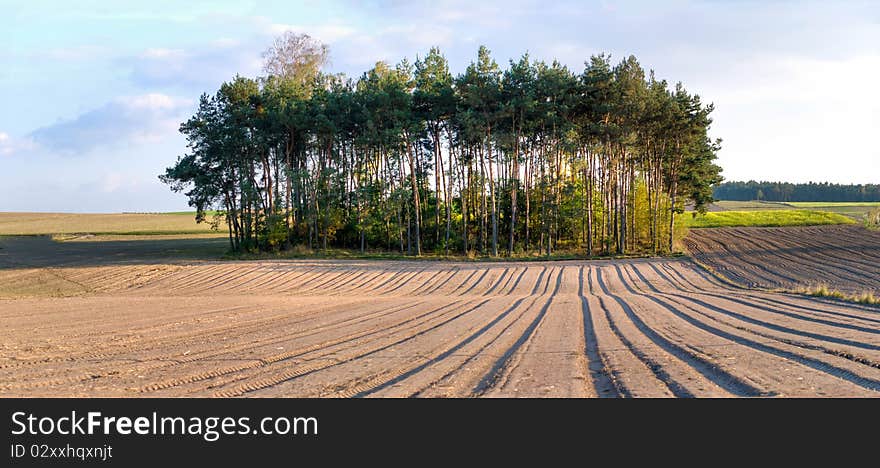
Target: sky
93, 92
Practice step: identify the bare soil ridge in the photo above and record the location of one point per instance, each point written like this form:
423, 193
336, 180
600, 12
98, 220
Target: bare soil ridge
305, 328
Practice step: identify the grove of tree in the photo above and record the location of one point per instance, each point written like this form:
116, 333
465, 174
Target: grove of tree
411, 158
789, 192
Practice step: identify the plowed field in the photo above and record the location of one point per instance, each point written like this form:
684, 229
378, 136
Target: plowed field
845, 258
636, 328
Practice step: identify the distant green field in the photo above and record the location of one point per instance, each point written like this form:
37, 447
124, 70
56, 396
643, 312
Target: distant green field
766, 218
855, 210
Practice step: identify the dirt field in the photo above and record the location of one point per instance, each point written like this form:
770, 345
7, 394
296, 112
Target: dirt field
641, 328
845, 258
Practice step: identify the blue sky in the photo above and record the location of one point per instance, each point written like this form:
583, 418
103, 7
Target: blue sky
92, 92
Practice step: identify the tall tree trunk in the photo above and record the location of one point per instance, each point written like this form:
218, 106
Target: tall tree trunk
558, 199
466, 181
494, 215
483, 208
621, 244
544, 224
288, 189
529, 170
590, 158
415, 189
514, 188
672, 220
438, 170
449, 194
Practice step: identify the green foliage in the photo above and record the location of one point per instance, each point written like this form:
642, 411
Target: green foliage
872, 218
535, 158
276, 233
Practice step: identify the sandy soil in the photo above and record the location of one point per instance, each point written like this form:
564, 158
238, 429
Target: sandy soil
845, 258
638, 328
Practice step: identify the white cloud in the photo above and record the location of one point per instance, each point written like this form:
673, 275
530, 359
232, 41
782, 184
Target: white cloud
10, 146
5, 147
161, 53
202, 68
194, 70
327, 33
147, 118
153, 101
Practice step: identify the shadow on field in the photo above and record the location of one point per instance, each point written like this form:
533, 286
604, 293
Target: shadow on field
42, 251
